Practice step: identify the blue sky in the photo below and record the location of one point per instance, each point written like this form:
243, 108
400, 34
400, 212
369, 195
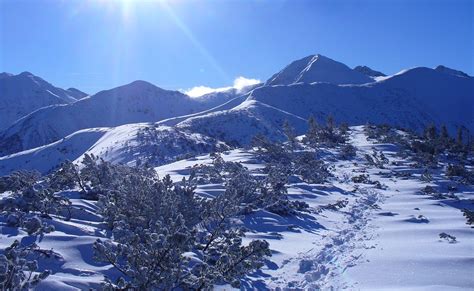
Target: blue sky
180, 44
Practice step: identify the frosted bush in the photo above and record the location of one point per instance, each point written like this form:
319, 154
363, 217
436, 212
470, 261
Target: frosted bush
17, 270
41, 201
18, 180
348, 152
67, 176
328, 135
164, 236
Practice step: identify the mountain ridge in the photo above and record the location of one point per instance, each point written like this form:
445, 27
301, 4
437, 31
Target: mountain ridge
411, 99
24, 93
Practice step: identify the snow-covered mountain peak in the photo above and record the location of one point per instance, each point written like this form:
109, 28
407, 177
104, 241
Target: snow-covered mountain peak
24, 93
446, 70
137, 88
26, 74
317, 68
140, 84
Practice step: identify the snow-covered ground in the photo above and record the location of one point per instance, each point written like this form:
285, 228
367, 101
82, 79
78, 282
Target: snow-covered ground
384, 238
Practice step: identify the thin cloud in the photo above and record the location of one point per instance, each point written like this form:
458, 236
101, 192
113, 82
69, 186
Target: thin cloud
239, 83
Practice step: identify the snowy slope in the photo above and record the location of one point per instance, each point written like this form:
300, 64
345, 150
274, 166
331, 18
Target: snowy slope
24, 93
131, 144
450, 71
48, 157
136, 102
236, 101
317, 68
378, 241
216, 101
76, 93
240, 124
137, 144
410, 99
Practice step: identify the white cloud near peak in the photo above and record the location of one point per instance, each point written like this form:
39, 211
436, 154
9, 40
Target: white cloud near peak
239, 83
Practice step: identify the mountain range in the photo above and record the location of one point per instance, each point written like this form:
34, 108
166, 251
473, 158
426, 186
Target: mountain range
24, 93
312, 86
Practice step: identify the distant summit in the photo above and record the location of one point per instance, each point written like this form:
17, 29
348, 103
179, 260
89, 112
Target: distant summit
317, 68
450, 71
24, 93
368, 71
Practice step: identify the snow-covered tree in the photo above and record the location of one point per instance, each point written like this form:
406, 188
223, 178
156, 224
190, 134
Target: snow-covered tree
17, 270
290, 135
164, 236
328, 135
347, 152
67, 176
18, 180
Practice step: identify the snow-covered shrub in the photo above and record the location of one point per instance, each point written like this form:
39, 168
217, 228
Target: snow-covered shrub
98, 176
428, 190
469, 214
348, 152
271, 152
222, 256
373, 131
98, 173
304, 164
365, 179
362, 178
327, 135
26, 209
41, 201
67, 176
217, 172
18, 180
458, 170
273, 192
339, 204
426, 176
249, 191
290, 135
164, 236
274, 196
448, 237
34, 225
17, 270
377, 159
385, 133
156, 145
310, 169
285, 207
